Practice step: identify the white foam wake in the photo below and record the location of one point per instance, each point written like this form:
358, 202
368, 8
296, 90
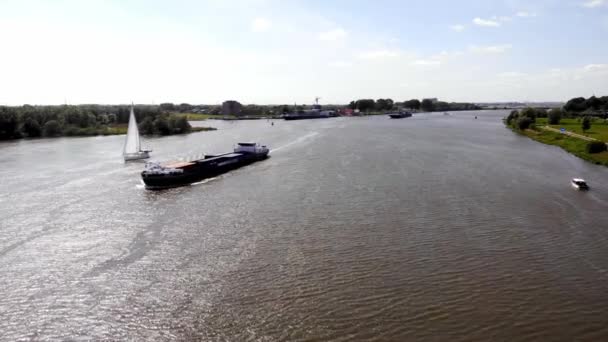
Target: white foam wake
297, 141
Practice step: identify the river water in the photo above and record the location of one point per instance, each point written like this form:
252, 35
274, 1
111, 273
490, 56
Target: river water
436, 227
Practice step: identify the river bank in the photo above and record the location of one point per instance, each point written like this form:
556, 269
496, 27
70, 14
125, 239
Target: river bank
118, 130
575, 143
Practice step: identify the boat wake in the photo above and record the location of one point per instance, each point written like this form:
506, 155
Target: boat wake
205, 181
297, 141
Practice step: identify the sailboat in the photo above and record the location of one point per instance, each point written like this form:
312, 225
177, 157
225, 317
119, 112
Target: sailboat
132, 149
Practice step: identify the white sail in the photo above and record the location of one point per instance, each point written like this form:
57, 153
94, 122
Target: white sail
132, 144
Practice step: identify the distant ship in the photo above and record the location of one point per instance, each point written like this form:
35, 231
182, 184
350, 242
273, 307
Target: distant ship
158, 176
400, 115
315, 113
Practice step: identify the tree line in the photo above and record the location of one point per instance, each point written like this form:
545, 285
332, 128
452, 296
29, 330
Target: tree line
49, 121
526, 118
426, 105
575, 107
579, 105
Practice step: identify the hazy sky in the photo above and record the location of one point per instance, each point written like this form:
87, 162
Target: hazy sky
266, 51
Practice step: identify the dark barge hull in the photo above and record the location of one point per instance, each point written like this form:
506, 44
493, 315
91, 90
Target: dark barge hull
209, 167
399, 116
304, 117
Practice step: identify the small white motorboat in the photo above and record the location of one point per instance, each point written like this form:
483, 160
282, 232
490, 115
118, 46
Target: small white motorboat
579, 184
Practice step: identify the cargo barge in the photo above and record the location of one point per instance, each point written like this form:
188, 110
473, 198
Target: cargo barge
304, 116
315, 113
400, 115
158, 176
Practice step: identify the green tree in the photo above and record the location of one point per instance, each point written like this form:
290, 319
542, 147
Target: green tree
384, 104
529, 112
103, 119
554, 116
51, 129
427, 105
146, 127
593, 103
586, 123
31, 128
9, 125
380, 104
412, 104
365, 105
441, 106
167, 107
524, 122
180, 125
161, 126
184, 107
541, 113
577, 104
513, 116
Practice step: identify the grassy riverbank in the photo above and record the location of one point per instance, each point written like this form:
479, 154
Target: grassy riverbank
201, 117
598, 130
576, 146
589, 145
114, 130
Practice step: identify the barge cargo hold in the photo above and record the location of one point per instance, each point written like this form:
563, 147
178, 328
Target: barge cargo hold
157, 176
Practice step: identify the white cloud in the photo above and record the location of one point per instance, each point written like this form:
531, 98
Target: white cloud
457, 28
512, 74
595, 67
486, 22
340, 64
377, 54
426, 62
335, 34
503, 18
594, 3
524, 14
491, 49
260, 25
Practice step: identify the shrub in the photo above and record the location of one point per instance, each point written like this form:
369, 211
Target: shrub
586, 124
554, 116
71, 131
524, 123
161, 126
529, 112
179, 125
512, 116
51, 128
596, 147
541, 113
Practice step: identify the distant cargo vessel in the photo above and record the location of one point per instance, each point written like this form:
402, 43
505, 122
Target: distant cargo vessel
314, 113
400, 115
158, 176
307, 115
